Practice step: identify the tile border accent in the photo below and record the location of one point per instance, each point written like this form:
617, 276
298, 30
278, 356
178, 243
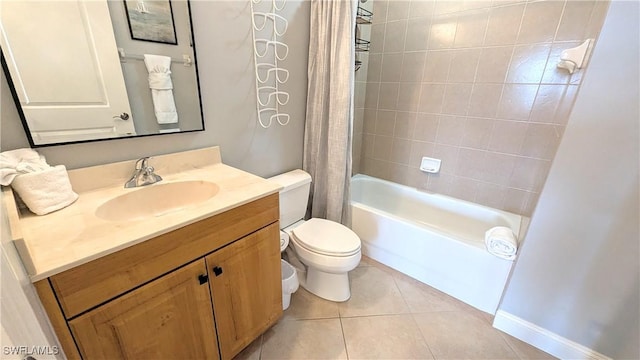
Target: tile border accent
543, 339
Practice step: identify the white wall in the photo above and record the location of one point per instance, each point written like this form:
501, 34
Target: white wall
23, 320
222, 31
578, 272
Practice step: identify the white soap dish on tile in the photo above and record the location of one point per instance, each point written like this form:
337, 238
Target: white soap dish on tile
430, 165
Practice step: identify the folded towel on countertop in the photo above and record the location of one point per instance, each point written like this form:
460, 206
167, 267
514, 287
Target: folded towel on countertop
20, 161
501, 242
45, 191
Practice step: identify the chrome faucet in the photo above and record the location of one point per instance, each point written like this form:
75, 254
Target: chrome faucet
143, 174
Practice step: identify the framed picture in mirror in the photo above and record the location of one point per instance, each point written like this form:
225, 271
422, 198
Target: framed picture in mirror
151, 20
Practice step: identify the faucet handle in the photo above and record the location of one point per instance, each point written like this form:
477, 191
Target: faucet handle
142, 163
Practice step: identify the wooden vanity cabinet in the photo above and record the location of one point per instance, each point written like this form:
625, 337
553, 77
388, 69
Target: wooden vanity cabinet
246, 289
204, 291
169, 317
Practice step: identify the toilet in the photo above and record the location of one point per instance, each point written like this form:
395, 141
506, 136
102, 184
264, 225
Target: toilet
322, 251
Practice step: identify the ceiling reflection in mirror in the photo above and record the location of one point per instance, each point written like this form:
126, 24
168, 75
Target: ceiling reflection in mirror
90, 70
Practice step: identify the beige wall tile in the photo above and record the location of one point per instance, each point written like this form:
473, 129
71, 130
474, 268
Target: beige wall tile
447, 6
546, 103
463, 65
397, 10
541, 141
436, 67
471, 28
431, 96
419, 149
401, 151
462, 188
491, 195
504, 23
409, 96
452, 84
382, 147
374, 67
574, 18
369, 121
359, 94
405, 125
484, 100
507, 136
530, 205
394, 36
517, 101
413, 66
449, 156
477, 132
449, 129
375, 168
528, 63
515, 200
417, 34
597, 18
372, 94
421, 8
493, 64
367, 145
380, 11
377, 38
385, 122
398, 173
529, 174
498, 168
391, 67
363, 72
456, 99
388, 97
566, 104
426, 127
439, 183
470, 163
442, 32
540, 21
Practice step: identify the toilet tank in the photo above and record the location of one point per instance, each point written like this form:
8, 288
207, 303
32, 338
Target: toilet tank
293, 196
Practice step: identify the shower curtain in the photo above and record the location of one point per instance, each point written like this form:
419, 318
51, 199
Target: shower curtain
328, 127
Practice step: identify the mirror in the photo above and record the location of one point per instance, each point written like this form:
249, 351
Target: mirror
89, 70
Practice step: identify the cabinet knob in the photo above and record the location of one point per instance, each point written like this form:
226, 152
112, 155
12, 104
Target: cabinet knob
217, 270
203, 278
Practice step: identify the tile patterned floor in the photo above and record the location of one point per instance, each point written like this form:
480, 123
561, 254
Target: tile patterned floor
389, 316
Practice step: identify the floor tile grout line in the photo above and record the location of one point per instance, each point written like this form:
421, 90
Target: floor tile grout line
344, 339
424, 338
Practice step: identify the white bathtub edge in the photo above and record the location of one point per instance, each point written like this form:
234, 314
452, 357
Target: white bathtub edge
543, 339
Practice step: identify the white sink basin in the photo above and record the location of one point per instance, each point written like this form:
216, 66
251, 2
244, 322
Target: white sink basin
156, 200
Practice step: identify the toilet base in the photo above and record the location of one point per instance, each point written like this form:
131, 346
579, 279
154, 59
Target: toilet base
333, 287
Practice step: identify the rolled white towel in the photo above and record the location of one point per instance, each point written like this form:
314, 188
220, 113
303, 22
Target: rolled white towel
45, 191
19, 161
501, 242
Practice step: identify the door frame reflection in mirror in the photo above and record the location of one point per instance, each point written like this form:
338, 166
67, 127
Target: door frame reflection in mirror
144, 110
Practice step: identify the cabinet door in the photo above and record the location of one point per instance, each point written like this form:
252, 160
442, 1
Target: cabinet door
246, 288
169, 318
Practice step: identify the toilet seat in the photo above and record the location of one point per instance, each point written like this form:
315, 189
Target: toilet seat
326, 237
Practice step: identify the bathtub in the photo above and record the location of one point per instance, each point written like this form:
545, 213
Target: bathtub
433, 238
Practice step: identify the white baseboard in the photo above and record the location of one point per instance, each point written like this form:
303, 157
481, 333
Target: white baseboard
543, 339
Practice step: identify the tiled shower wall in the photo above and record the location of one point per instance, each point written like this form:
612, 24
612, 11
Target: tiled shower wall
473, 83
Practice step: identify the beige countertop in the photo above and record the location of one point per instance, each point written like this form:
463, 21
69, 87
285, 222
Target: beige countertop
72, 236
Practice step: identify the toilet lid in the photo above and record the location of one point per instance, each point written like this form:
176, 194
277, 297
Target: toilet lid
327, 237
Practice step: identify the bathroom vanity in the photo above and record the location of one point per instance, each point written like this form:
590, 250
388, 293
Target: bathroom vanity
200, 280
